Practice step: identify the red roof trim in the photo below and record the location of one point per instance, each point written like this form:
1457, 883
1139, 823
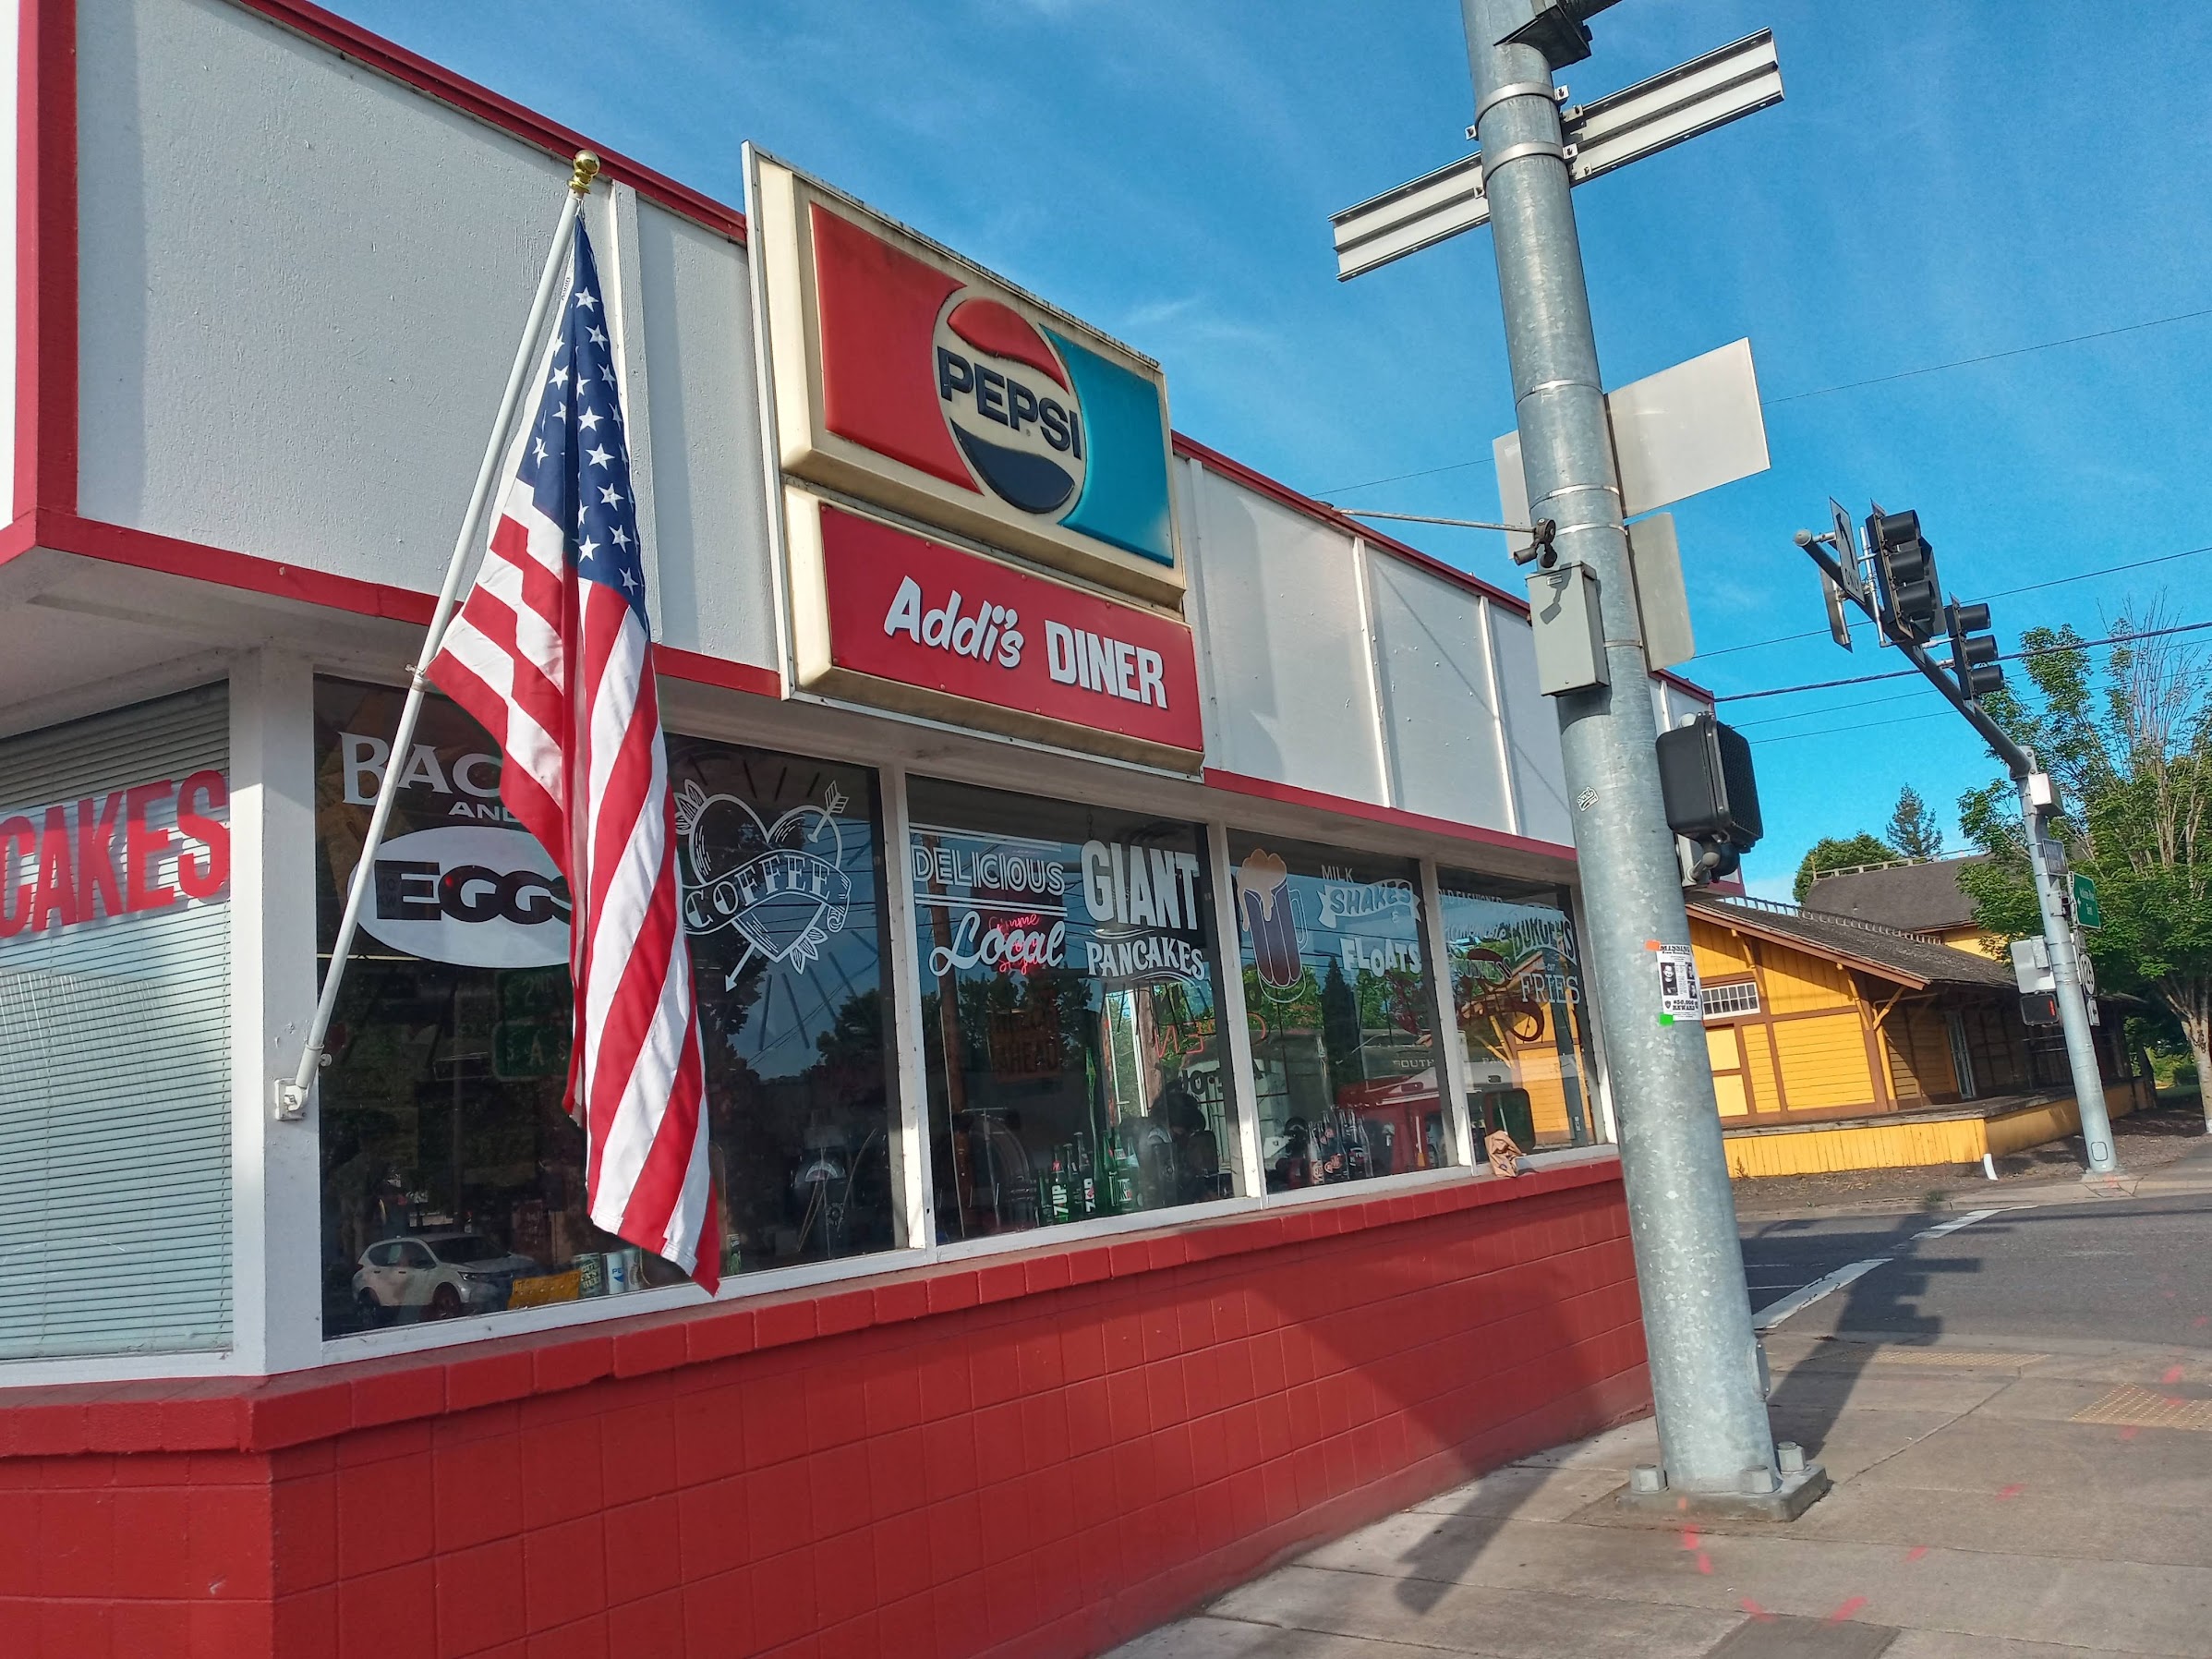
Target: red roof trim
1266, 789
388, 57
1298, 503
141, 550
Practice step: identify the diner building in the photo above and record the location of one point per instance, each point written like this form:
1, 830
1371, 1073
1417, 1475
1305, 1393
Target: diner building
1122, 895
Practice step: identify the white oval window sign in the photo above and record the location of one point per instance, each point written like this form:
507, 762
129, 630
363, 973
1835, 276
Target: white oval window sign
471, 894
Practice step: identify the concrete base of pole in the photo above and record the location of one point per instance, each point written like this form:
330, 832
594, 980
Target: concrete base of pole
2110, 1186
1796, 1494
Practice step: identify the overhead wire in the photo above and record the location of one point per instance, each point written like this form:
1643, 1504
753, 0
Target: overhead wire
1903, 673
2003, 593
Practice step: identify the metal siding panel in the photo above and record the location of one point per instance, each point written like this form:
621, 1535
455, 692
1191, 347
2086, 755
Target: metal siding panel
1532, 730
115, 1078
1440, 727
717, 590
1282, 608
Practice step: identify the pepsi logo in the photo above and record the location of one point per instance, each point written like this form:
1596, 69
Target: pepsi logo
1012, 406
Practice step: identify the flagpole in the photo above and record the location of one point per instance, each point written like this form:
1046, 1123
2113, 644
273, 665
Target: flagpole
292, 1093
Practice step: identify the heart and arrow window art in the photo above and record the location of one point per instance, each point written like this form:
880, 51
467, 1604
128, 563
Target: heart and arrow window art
441, 1107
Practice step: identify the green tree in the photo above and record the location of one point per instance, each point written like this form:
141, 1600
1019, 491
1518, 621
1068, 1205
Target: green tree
1913, 829
2130, 746
1834, 852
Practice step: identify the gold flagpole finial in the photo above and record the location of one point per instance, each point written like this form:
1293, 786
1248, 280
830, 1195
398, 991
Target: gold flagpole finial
588, 169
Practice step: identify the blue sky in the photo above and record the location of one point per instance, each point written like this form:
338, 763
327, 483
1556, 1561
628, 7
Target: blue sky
1935, 188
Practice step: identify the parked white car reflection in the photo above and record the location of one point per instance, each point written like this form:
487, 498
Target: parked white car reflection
435, 1276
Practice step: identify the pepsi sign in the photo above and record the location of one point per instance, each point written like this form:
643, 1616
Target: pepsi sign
903, 375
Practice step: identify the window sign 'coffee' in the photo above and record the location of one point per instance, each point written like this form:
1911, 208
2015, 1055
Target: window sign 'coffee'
453, 1180
1068, 1010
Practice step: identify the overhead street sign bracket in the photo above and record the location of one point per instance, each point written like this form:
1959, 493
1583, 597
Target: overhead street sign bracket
1657, 113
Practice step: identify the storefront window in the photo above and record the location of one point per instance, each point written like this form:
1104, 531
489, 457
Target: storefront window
1337, 993
452, 1176
1068, 991
1518, 1004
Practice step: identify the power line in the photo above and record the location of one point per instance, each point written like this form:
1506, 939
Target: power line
1989, 357
2003, 593
1806, 714
1903, 673
1858, 726
1879, 380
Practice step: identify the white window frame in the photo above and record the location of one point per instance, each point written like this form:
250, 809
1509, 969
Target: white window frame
278, 1296
1723, 989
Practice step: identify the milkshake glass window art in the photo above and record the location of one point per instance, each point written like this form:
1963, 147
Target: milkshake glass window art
1339, 1001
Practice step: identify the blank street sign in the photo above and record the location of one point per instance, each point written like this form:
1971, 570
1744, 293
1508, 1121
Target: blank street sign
1411, 218
1691, 427
1723, 86
1654, 114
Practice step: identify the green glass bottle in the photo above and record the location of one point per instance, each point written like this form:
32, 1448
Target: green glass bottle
1086, 1178
1057, 1191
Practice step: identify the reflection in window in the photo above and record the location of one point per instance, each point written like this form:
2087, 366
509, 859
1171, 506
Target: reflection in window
1338, 995
1517, 1003
1068, 1011
453, 1181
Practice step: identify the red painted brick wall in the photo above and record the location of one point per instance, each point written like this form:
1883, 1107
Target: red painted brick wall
1039, 1456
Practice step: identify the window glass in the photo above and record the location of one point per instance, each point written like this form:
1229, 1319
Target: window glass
1068, 989
1517, 1003
442, 1111
1337, 993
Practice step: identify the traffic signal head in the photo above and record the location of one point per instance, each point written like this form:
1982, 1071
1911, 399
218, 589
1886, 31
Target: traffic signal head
1906, 567
1974, 651
1711, 795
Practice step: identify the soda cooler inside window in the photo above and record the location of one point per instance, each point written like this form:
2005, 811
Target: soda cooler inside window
1339, 999
1518, 1009
454, 1178
1069, 994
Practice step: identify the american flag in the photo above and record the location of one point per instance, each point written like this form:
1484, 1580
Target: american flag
552, 653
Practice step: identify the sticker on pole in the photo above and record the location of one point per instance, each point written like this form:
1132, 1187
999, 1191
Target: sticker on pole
1679, 996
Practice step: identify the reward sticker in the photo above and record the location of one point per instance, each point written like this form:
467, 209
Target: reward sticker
1679, 996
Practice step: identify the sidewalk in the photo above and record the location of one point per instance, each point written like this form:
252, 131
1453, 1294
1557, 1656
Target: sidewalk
1993, 1500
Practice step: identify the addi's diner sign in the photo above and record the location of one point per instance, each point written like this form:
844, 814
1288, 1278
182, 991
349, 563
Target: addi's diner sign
903, 375
889, 617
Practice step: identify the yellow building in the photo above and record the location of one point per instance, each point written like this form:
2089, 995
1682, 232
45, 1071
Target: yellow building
1838, 1045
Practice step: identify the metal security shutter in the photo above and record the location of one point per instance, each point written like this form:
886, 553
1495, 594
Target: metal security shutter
115, 1064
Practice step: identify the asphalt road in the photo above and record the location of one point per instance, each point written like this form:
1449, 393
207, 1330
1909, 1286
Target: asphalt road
2130, 1271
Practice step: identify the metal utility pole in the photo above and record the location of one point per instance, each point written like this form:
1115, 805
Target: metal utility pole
1714, 1438
1902, 602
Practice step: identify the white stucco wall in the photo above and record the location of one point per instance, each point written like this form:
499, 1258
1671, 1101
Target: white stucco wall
302, 284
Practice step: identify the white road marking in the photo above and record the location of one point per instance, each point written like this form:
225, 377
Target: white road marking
1968, 1220
1796, 1302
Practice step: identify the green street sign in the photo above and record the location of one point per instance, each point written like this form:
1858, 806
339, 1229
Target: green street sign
2085, 909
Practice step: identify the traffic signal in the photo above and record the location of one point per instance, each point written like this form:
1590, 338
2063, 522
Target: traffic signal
1972, 650
1911, 602
1712, 796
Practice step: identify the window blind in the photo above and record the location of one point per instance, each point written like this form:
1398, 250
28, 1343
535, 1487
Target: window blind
115, 1029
